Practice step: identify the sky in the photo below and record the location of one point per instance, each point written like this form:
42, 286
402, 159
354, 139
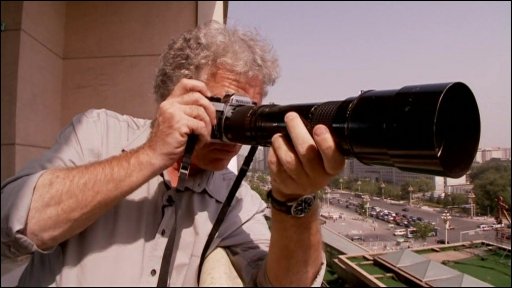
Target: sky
330, 51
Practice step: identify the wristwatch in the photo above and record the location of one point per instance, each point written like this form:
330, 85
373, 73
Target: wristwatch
297, 208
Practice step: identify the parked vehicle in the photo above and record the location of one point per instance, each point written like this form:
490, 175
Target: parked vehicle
399, 232
441, 241
357, 238
484, 227
411, 232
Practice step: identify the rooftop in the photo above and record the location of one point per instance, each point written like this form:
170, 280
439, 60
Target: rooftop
468, 264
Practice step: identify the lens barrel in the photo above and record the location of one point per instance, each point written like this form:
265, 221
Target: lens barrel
429, 128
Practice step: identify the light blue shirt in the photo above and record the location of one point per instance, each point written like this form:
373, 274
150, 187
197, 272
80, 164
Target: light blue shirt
125, 246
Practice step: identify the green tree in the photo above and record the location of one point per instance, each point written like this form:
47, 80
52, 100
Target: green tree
423, 229
421, 185
261, 191
490, 180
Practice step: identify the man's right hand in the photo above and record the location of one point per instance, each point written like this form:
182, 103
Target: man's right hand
186, 111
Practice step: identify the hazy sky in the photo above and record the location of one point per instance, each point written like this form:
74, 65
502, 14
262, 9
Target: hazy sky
332, 50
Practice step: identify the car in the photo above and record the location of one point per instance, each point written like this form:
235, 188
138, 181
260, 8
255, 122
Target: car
405, 209
442, 241
357, 238
484, 227
400, 232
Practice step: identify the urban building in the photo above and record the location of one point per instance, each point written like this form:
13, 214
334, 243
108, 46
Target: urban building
432, 266
486, 154
356, 169
259, 162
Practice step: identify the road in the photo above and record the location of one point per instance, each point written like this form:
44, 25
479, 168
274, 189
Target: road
372, 229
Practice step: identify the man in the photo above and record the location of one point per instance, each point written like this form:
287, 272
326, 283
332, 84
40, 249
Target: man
95, 209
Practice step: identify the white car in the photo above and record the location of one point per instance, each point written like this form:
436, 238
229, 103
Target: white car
484, 227
400, 232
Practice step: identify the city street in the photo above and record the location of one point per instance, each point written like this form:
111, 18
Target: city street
373, 230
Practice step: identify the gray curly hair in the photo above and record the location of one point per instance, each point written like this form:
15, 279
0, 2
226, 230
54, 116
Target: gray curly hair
199, 52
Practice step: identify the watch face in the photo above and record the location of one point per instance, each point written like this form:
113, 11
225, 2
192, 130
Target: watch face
303, 205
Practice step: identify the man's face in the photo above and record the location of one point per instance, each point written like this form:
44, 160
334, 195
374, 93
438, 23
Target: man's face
215, 156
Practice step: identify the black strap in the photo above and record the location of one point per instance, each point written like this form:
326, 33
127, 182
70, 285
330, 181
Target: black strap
163, 276
225, 207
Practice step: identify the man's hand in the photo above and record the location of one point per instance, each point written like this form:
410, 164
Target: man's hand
299, 167
306, 164
186, 111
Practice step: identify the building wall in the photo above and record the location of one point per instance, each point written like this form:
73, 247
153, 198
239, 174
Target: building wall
486, 154
63, 58
356, 169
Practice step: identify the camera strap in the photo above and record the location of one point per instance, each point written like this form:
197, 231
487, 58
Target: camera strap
164, 276
225, 206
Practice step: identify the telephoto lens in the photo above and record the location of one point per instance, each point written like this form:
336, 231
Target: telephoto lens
429, 128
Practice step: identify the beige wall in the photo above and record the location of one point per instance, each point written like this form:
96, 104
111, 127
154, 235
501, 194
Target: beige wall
31, 85
63, 58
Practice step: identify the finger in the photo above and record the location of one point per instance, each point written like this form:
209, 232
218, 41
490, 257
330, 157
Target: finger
199, 100
281, 180
200, 92
196, 112
333, 160
190, 85
197, 127
304, 144
287, 158
198, 122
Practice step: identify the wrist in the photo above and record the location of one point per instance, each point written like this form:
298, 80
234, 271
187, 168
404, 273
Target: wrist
155, 161
299, 207
283, 196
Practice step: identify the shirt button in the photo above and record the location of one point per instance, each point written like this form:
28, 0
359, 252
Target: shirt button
163, 232
153, 272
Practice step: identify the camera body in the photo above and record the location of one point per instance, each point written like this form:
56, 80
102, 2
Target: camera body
224, 108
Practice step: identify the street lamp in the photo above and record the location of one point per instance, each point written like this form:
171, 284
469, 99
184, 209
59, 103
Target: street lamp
382, 187
366, 203
327, 198
471, 197
446, 219
410, 189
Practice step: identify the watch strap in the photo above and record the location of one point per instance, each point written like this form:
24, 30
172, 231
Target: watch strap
288, 207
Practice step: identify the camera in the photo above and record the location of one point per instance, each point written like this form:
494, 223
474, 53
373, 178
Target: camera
427, 128
224, 108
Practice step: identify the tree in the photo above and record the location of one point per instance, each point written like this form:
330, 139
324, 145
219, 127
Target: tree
421, 185
423, 229
490, 180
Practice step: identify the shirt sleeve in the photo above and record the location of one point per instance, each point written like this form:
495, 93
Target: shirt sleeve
245, 235
75, 146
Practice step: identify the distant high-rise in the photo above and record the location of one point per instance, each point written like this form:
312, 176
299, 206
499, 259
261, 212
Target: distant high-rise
259, 162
